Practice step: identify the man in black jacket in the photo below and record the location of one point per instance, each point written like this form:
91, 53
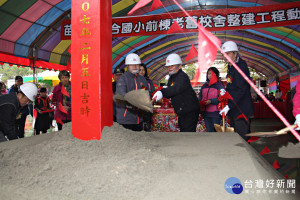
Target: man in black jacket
24, 110
10, 105
239, 89
183, 97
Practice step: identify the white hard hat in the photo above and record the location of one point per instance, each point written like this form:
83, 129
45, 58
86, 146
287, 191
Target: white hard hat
132, 59
173, 59
229, 46
30, 90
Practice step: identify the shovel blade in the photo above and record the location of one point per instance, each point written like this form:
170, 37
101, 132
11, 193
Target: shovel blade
272, 134
218, 128
222, 129
265, 134
229, 129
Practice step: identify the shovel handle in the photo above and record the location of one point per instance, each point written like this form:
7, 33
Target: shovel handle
282, 131
223, 117
153, 101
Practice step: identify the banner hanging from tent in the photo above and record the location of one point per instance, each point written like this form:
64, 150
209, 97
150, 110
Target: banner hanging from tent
214, 20
65, 33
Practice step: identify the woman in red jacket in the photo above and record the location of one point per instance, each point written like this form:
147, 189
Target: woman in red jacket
62, 95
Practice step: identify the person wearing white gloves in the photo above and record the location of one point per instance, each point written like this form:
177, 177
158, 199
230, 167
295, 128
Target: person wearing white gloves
296, 105
184, 98
239, 89
127, 116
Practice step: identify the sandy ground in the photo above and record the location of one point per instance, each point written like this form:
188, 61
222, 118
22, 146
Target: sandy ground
58, 166
124, 165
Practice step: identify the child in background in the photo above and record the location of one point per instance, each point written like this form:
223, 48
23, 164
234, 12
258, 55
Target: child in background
42, 103
208, 97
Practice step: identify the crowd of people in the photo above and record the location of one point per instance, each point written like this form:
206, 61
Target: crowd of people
17, 102
187, 105
270, 96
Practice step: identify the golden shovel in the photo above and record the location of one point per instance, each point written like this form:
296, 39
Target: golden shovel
223, 128
272, 133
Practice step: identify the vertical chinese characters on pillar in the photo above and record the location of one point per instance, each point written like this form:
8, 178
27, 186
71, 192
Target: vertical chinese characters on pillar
86, 21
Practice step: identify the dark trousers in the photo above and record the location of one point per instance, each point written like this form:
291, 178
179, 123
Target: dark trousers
133, 127
241, 126
210, 121
37, 132
188, 122
2, 137
21, 125
147, 124
60, 125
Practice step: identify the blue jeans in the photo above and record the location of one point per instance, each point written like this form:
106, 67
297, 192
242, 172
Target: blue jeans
210, 121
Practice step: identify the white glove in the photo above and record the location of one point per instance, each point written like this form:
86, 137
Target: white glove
157, 96
165, 86
225, 110
222, 92
297, 122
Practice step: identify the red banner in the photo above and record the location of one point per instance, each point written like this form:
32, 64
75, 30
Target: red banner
65, 31
214, 20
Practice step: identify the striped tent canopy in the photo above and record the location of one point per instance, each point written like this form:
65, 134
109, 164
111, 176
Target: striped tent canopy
270, 51
31, 28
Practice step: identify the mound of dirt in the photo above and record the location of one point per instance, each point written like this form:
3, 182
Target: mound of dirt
131, 166
122, 165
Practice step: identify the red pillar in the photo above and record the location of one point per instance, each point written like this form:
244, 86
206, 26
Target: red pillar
91, 68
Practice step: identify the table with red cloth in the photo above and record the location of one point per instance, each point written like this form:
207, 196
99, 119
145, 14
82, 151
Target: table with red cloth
166, 120
262, 110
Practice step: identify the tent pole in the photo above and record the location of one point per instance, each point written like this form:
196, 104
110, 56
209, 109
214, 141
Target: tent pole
33, 63
33, 68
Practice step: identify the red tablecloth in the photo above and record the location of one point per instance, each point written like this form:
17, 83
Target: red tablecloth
262, 110
166, 120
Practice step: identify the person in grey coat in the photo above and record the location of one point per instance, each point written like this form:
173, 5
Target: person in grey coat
128, 116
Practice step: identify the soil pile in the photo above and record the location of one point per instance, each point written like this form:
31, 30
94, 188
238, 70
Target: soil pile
122, 165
